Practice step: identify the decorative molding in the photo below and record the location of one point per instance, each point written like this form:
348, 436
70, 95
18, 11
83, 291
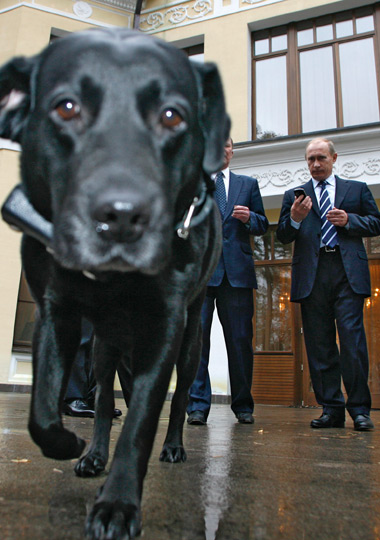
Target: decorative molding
353, 170
180, 12
281, 178
360, 170
175, 15
82, 9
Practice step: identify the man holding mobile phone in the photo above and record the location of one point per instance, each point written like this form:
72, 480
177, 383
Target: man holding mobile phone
330, 278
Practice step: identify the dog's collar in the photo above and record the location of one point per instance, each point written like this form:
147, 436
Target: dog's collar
21, 215
201, 207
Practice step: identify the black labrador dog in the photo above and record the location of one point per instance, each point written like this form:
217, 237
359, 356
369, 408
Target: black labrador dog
119, 134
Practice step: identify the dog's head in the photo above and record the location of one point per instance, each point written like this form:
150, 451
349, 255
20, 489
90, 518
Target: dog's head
118, 131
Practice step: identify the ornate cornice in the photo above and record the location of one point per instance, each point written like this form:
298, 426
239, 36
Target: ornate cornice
175, 15
179, 12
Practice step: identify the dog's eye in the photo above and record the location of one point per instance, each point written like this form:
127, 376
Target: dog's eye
68, 109
171, 119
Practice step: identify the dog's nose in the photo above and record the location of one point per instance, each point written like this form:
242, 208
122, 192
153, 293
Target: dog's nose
121, 220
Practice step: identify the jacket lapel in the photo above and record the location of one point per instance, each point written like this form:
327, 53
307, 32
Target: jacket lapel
233, 193
341, 189
309, 190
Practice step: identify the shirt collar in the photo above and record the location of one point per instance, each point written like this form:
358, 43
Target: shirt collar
226, 173
330, 180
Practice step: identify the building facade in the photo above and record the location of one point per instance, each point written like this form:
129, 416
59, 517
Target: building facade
292, 70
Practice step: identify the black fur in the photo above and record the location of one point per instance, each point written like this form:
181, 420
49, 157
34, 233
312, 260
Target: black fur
119, 133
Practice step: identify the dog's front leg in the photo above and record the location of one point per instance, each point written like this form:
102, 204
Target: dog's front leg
106, 358
173, 450
55, 344
116, 513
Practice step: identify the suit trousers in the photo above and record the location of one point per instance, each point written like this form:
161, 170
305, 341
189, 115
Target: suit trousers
235, 310
332, 305
81, 384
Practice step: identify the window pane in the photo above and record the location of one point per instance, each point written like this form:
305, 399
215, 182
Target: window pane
325, 33
374, 244
282, 251
344, 28
317, 90
273, 313
359, 85
364, 24
271, 98
261, 246
279, 43
305, 37
262, 46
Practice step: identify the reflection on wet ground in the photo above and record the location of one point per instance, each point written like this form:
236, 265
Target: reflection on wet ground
277, 479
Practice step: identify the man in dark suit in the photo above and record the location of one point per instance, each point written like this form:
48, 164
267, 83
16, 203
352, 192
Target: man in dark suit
330, 278
230, 288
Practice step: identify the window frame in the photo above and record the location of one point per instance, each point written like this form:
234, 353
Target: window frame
292, 54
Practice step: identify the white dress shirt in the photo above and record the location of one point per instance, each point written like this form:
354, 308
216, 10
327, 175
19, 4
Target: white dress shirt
226, 178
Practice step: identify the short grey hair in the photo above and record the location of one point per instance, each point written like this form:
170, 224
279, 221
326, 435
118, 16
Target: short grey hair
330, 144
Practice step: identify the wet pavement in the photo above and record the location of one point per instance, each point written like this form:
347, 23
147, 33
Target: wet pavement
277, 479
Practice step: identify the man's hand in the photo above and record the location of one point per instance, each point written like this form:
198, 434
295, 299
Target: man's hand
300, 208
242, 213
337, 217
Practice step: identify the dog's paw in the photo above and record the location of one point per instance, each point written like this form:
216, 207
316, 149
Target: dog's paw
90, 465
113, 521
173, 454
57, 442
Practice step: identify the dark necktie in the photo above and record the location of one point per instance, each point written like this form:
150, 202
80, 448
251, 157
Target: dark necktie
220, 193
329, 234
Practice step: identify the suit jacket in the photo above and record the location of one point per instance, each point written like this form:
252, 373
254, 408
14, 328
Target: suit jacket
364, 220
236, 259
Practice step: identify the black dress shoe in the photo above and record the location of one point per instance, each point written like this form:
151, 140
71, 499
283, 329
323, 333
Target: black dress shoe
197, 418
116, 413
245, 418
78, 407
327, 421
362, 422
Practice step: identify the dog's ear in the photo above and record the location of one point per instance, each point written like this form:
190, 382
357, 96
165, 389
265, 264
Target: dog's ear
15, 78
214, 120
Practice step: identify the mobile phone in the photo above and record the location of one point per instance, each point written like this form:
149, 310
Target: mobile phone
299, 192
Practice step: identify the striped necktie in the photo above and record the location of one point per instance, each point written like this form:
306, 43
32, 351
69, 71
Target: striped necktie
220, 193
329, 234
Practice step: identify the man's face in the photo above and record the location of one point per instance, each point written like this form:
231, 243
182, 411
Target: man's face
228, 153
319, 160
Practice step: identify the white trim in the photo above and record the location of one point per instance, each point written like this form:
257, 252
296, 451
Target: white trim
67, 15
5, 144
14, 377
